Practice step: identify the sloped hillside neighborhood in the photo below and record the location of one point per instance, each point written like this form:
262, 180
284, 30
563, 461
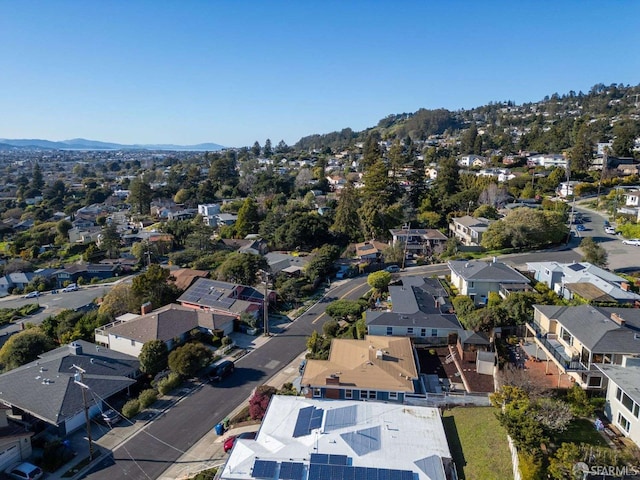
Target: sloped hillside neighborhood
399, 303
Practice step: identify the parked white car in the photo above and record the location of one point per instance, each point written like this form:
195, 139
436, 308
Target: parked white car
610, 230
634, 241
70, 288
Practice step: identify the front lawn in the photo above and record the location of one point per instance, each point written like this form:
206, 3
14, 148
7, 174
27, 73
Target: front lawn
478, 443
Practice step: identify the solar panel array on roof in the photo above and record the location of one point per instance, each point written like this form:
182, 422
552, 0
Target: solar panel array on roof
302, 423
325, 459
340, 417
309, 418
344, 472
291, 471
576, 267
264, 469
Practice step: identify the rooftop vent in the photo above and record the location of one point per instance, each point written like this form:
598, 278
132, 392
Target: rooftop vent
379, 354
618, 319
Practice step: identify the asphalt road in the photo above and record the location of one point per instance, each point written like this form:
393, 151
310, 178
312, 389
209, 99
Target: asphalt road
51, 304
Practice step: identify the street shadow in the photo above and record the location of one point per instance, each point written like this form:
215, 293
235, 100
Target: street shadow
240, 376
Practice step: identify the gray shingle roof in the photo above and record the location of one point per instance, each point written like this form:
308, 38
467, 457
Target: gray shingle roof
595, 329
486, 271
46, 389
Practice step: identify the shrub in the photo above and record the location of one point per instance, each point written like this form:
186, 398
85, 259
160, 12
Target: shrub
530, 466
147, 397
131, 408
226, 341
167, 384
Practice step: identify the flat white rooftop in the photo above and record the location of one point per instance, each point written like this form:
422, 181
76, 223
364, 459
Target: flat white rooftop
319, 439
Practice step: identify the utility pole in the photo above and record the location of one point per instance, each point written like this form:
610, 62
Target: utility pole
79, 379
266, 302
407, 229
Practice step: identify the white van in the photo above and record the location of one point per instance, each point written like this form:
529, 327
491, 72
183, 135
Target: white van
72, 287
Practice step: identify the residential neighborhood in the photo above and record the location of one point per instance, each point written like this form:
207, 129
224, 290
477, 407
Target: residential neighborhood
413, 294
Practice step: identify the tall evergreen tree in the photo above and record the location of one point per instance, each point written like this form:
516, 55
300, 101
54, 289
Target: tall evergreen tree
248, 218
140, 196
347, 220
371, 152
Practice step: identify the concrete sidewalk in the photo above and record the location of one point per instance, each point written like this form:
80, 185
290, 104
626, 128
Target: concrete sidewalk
208, 452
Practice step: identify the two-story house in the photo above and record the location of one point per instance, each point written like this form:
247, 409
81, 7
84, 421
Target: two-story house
578, 338
418, 241
376, 368
420, 309
477, 279
469, 230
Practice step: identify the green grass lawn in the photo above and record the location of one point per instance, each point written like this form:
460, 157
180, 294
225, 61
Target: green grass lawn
580, 430
478, 443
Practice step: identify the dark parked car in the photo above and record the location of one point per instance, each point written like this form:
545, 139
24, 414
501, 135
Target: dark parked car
223, 369
110, 417
231, 441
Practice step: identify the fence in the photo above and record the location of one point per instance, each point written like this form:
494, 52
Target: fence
448, 399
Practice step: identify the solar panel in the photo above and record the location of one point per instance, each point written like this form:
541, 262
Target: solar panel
372, 474
302, 423
360, 473
297, 470
384, 474
340, 417
314, 471
395, 474
348, 473
316, 418
325, 472
337, 460
407, 475
264, 469
336, 471
319, 458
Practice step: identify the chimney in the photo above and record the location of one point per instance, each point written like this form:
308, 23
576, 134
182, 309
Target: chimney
333, 379
75, 348
624, 286
145, 308
618, 319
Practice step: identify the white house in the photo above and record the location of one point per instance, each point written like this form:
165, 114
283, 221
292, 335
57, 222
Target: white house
477, 279
303, 438
623, 396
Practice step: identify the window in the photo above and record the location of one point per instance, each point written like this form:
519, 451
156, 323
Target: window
389, 330
423, 332
317, 392
367, 395
410, 331
348, 394
628, 402
623, 423
566, 336
470, 284
393, 395
434, 332
595, 381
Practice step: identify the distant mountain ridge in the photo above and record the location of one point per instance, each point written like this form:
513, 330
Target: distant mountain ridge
84, 144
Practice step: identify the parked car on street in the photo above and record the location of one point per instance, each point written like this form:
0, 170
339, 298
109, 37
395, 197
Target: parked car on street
610, 230
634, 241
24, 471
231, 441
581, 228
33, 294
393, 269
222, 370
72, 287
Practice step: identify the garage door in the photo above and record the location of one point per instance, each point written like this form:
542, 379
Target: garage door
9, 456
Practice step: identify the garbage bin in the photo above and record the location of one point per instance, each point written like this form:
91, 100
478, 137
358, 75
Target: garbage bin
219, 429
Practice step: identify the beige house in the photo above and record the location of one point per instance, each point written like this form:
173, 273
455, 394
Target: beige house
577, 339
15, 441
376, 368
171, 324
469, 230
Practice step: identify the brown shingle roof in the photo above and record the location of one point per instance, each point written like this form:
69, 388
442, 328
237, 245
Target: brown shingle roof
358, 364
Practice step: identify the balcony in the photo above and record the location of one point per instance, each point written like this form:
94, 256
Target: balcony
556, 350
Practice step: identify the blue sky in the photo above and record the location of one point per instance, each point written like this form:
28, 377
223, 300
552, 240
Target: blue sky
233, 72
